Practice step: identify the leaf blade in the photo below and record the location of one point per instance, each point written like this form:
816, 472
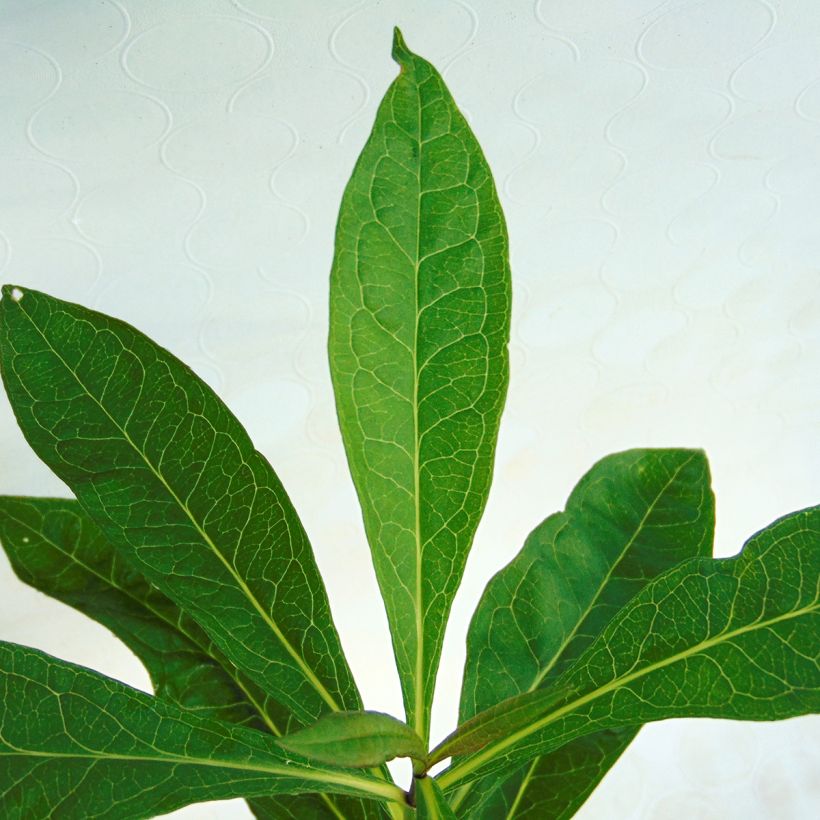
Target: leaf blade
633, 515
553, 786
754, 617
173, 480
419, 324
74, 741
430, 801
56, 548
356, 739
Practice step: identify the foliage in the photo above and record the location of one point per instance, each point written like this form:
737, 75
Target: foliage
183, 542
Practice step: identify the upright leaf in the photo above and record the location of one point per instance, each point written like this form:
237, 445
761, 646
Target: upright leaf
727, 638
56, 548
75, 744
174, 482
632, 516
419, 323
430, 801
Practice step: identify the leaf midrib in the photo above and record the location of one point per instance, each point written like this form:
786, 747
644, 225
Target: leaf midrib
473, 763
300, 662
420, 719
522, 788
384, 790
542, 673
229, 669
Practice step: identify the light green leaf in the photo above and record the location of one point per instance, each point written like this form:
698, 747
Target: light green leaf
632, 516
56, 548
174, 482
430, 801
356, 739
419, 323
728, 638
75, 744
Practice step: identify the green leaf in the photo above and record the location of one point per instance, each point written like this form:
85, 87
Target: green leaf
553, 786
322, 807
419, 323
430, 801
75, 744
356, 739
172, 479
727, 638
632, 516
56, 548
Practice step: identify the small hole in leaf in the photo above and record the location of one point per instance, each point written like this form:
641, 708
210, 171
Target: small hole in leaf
16, 294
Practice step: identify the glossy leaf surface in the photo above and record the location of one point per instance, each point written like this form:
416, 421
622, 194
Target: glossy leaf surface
172, 479
726, 638
75, 744
419, 323
632, 516
56, 548
356, 739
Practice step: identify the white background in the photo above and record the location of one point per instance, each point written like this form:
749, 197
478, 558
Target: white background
179, 165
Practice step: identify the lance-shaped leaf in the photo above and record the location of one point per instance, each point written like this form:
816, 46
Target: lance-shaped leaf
75, 744
172, 479
431, 803
419, 323
56, 548
356, 739
729, 638
632, 516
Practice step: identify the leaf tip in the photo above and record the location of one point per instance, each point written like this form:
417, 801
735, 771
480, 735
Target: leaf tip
400, 51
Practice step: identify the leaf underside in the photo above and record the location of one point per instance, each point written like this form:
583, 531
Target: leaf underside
74, 743
171, 478
632, 516
725, 638
56, 548
419, 324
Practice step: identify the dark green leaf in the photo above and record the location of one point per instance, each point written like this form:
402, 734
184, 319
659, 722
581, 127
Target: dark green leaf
430, 801
56, 548
728, 638
632, 516
74, 744
356, 739
321, 807
419, 323
175, 484
553, 786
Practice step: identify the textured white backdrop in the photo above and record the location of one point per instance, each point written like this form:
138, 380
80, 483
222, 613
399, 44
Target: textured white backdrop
179, 165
